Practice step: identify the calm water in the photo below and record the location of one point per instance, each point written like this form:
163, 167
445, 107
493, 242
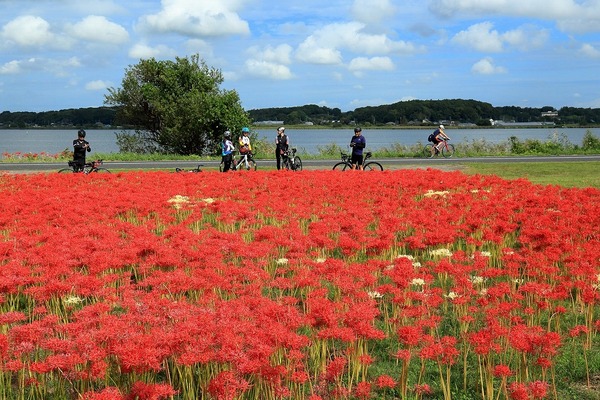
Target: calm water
306, 140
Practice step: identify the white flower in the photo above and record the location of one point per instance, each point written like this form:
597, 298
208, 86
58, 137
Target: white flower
375, 295
320, 260
476, 280
282, 261
440, 252
72, 300
417, 282
431, 193
208, 200
485, 254
178, 200
452, 295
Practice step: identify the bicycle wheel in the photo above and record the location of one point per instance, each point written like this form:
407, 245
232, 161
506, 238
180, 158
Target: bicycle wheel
427, 151
297, 164
341, 166
249, 166
100, 171
448, 150
66, 171
373, 166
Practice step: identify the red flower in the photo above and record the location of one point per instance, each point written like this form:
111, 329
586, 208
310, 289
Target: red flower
502, 371
363, 390
385, 381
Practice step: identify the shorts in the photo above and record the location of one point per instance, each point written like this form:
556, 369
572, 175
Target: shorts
357, 159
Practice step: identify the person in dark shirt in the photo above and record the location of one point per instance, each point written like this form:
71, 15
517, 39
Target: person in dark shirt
80, 147
358, 143
281, 145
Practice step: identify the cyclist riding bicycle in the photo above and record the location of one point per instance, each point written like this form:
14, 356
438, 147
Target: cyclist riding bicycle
438, 137
244, 141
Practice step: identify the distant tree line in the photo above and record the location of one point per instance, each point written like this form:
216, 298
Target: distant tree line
74, 117
414, 112
426, 112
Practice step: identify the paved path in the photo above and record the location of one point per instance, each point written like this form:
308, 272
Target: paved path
388, 163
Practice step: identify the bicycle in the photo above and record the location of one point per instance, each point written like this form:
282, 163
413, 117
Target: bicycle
197, 169
88, 168
244, 161
447, 149
367, 166
291, 161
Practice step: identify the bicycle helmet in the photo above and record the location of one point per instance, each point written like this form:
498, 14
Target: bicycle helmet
441, 126
357, 129
81, 133
227, 134
281, 129
245, 130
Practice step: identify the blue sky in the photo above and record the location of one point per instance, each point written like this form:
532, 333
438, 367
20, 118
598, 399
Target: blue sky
57, 54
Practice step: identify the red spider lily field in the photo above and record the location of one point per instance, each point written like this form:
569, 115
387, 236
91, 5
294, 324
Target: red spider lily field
407, 284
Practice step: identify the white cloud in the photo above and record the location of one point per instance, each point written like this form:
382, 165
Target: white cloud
57, 67
143, 51
372, 11
324, 45
486, 66
360, 64
28, 31
11, 67
588, 50
97, 85
197, 18
279, 54
270, 62
569, 15
482, 37
265, 69
98, 29
313, 52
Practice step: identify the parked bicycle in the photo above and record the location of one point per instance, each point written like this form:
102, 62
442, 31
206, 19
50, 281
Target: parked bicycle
88, 168
346, 163
291, 161
197, 169
245, 161
446, 149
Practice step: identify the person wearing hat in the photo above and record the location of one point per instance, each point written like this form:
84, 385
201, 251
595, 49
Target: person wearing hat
244, 141
358, 143
438, 137
80, 147
227, 149
281, 145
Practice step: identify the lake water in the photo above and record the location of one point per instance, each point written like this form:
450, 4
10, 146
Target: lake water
306, 140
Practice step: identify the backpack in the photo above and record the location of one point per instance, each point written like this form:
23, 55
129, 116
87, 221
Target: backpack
431, 137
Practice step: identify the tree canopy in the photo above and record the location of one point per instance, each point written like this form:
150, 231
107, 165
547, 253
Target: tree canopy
178, 104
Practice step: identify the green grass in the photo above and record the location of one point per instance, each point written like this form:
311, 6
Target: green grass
567, 174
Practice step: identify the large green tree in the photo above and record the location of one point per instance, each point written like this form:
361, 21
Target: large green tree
178, 105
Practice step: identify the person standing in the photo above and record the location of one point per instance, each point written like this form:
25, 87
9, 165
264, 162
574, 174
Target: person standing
227, 149
281, 145
80, 148
244, 141
358, 143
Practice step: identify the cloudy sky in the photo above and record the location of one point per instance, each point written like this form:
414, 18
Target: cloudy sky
57, 54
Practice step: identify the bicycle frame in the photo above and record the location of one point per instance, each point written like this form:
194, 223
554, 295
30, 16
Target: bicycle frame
243, 159
88, 168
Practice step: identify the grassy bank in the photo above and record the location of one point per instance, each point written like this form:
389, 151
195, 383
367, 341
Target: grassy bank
567, 174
